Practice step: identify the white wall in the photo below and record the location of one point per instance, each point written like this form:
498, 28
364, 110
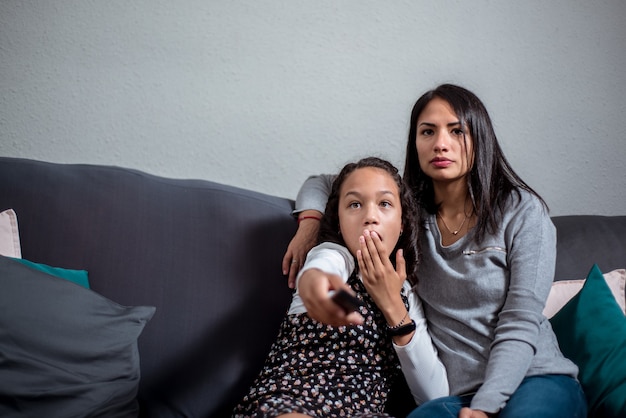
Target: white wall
260, 94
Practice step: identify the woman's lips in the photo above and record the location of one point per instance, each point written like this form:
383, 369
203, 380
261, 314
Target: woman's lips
440, 162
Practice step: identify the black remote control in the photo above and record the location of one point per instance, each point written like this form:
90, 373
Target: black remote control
346, 300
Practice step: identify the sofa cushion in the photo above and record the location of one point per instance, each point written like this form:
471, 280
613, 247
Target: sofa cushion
65, 350
9, 234
591, 330
563, 290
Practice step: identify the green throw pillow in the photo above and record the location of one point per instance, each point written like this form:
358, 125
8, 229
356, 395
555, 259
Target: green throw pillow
79, 277
591, 330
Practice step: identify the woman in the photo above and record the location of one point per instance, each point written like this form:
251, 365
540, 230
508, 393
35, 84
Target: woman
489, 251
317, 370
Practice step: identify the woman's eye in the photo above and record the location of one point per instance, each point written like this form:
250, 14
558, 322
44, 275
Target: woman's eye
354, 205
427, 132
458, 132
385, 204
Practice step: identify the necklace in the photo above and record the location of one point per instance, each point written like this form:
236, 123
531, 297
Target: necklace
455, 232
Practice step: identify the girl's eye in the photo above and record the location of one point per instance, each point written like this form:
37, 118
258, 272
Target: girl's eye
354, 205
385, 204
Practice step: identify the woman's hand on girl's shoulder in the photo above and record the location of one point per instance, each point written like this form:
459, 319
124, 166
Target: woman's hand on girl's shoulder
301, 243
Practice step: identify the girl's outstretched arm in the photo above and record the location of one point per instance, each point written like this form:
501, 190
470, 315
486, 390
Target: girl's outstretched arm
327, 268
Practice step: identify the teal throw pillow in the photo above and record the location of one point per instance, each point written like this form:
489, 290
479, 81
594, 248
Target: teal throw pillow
591, 330
79, 277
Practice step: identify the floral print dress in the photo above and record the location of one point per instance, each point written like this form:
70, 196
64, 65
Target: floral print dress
325, 371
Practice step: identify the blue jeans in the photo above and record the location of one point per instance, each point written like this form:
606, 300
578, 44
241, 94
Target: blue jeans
545, 396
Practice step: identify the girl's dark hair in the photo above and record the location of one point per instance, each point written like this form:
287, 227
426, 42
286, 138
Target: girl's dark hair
329, 227
491, 180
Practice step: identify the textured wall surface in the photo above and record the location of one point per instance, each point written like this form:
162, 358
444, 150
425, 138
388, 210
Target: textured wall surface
262, 94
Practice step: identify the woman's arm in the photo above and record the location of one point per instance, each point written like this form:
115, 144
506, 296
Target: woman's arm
304, 239
530, 238
314, 193
310, 204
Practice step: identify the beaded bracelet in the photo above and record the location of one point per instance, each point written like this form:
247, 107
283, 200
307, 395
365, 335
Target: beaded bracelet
399, 324
401, 330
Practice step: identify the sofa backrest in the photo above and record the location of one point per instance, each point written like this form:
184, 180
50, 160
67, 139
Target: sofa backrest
206, 255
585, 240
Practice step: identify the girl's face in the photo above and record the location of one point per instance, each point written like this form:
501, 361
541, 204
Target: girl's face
442, 145
370, 199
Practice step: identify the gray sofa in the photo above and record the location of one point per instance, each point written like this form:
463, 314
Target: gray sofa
208, 257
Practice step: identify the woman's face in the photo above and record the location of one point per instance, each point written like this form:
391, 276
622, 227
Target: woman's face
442, 144
369, 199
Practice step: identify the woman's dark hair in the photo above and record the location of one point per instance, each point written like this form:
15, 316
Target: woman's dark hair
491, 180
329, 227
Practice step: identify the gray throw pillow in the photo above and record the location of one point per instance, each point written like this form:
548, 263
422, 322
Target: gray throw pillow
65, 351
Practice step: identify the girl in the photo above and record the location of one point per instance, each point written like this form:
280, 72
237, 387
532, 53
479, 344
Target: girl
319, 370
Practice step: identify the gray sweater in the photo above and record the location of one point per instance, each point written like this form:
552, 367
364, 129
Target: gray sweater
484, 302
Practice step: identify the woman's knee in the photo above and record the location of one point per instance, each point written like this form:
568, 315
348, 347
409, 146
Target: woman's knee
547, 396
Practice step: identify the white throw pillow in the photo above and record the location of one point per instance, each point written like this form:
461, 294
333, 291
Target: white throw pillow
9, 235
563, 290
